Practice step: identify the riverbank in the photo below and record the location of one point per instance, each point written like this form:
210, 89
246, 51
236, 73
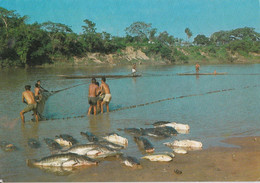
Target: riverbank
213, 164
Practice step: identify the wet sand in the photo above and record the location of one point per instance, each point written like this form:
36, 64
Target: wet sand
213, 164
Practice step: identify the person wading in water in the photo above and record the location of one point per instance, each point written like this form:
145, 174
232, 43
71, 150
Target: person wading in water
30, 101
197, 67
92, 96
105, 90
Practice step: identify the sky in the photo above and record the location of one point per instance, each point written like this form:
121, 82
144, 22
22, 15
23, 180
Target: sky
113, 16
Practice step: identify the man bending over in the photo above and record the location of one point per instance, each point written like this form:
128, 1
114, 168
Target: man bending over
28, 98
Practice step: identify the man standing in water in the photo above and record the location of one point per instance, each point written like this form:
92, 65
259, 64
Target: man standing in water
31, 103
105, 90
197, 67
134, 69
92, 96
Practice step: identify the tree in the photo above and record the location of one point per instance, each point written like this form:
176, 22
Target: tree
139, 29
188, 33
152, 34
90, 27
57, 33
165, 38
201, 40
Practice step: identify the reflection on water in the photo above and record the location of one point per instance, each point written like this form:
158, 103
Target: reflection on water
29, 131
99, 124
212, 116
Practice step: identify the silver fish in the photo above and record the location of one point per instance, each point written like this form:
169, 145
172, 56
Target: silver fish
131, 161
63, 160
144, 143
65, 140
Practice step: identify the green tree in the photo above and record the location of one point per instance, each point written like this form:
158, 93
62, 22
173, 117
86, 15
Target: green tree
188, 33
139, 29
201, 40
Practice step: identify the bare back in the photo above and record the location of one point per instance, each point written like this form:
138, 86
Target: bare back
92, 90
37, 91
29, 97
105, 88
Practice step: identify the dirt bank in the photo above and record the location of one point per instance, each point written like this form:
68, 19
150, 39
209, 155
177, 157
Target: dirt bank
213, 164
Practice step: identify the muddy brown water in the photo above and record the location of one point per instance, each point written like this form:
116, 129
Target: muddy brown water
215, 107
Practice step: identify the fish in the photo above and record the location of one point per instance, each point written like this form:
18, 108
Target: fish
111, 145
131, 161
167, 130
94, 150
191, 144
90, 136
62, 160
33, 143
160, 157
65, 140
134, 131
115, 138
180, 128
160, 123
8, 147
153, 132
180, 150
144, 143
52, 144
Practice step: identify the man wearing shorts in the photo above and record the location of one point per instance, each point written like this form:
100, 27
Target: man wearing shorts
92, 96
30, 101
105, 90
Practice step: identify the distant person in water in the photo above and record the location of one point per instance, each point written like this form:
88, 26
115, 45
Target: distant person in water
197, 67
134, 69
106, 91
100, 97
28, 98
41, 88
92, 96
37, 93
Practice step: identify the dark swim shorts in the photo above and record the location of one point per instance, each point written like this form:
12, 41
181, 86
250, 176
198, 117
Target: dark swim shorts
30, 107
92, 100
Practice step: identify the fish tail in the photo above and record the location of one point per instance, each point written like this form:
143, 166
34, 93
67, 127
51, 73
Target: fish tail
30, 162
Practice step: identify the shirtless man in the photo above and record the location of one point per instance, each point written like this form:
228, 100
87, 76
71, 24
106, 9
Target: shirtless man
31, 103
134, 69
41, 88
37, 93
105, 90
197, 67
92, 96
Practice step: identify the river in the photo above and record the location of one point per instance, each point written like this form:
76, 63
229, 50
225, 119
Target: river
215, 108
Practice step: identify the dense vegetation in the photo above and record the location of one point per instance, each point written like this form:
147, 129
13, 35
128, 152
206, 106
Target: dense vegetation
35, 44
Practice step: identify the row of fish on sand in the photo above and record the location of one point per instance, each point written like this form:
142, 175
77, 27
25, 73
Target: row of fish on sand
68, 153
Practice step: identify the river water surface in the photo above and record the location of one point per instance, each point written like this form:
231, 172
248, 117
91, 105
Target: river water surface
215, 107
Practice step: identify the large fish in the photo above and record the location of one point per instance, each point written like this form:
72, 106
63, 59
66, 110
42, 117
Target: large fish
180, 128
134, 131
160, 123
191, 144
63, 160
115, 138
111, 145
168, 131
154, 132
159, 157
144, 143
94, 150
5, 146
52, 144
90, 136
65, 140
131, 161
